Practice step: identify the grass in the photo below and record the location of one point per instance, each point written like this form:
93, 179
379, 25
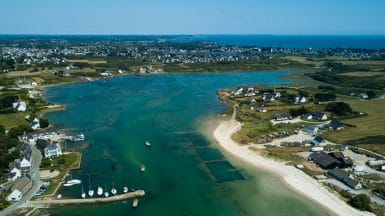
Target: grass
303, 60
286, 154
93, 61
370, 125
72, 161
13, 119
362, 74
378, 148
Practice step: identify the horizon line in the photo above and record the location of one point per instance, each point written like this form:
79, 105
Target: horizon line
231, 34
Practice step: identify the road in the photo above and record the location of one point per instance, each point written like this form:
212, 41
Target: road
35, 174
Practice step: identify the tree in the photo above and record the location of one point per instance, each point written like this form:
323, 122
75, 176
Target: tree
361, 201
297, 112
2, 129
43, 123
321, 97
339, 108
19, 130
371, 94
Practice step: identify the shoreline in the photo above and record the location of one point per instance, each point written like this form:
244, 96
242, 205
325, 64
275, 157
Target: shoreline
297, 180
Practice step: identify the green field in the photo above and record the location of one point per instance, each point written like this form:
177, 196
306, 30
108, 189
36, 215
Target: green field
13, 119
370, 125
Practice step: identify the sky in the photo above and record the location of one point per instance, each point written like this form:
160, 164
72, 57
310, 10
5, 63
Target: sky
309, 17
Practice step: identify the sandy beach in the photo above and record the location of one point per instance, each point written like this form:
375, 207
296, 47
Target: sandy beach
295, 178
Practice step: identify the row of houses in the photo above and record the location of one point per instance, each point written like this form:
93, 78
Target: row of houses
21, 165
331, 160
335, 162
319, 116
19, 106
319, 129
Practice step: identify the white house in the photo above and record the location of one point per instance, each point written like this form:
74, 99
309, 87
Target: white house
311, 130
16, 195
364, 96
52, 150
299, 99
25, 165
106, 73
14, 174
19, 106
35, 124
21, 187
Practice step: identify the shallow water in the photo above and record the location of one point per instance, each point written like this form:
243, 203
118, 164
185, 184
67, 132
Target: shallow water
119, 114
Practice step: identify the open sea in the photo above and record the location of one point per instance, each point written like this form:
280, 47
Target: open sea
186, 174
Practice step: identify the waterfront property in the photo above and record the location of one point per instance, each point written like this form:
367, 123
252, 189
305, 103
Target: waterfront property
342, 176
52, 150
324, 160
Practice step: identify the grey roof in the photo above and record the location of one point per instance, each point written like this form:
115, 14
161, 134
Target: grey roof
318, 115
324, 160
343, 177
52, 147
14, 164
318, 139
22, 182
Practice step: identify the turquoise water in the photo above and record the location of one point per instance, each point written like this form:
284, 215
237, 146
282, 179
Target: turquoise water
119, 114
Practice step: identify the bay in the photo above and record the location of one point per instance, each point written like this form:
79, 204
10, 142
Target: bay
117, 116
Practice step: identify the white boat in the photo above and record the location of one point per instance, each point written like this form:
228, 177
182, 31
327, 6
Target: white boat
135, 203
106, 194
58, 196
74, 181
125, 189
100, 191
142, 168
113, 191
148, 143
91, 193
83, 193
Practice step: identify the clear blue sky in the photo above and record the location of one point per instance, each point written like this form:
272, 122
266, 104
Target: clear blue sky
192, 17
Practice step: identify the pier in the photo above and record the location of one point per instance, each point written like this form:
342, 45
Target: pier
121, 197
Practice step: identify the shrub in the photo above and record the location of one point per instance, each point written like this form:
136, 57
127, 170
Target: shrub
361, 202
339, 108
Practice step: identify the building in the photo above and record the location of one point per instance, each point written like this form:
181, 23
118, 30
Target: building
283, 117
319, 116
334, 125
52, 150
343, 176
324, 160
20, 106
311, 130
307, 116
300, 99
21, 187
363, 96
318, 141
25, 165
35, 124
14, 171
42, 143
345, 161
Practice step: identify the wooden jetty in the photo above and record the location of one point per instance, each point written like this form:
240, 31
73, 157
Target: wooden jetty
50, 202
